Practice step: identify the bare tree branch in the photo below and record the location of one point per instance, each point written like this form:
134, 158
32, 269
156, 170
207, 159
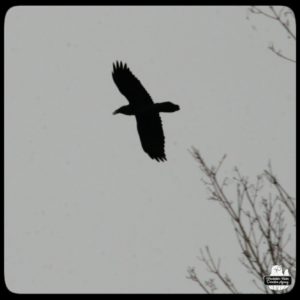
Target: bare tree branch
278, 53
284, 16
259, 222
284, 24
193, 276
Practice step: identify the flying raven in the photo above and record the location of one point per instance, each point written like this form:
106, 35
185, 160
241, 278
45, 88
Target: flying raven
146, 112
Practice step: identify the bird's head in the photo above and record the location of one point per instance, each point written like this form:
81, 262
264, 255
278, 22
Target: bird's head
167, 107
173, 107
125, 110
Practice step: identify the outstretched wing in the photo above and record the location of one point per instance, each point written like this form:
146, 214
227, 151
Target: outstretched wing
151, 135
130, 86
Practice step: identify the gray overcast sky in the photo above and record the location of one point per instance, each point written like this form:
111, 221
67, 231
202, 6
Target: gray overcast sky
86, 210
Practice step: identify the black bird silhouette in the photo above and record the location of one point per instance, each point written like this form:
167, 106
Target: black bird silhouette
141, 105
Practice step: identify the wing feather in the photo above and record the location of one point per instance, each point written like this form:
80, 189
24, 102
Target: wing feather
130, 86
151, 135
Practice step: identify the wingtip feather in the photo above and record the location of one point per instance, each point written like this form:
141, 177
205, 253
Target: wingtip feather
160, 158
120, 65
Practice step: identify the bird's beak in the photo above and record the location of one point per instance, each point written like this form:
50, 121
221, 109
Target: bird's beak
116, 112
